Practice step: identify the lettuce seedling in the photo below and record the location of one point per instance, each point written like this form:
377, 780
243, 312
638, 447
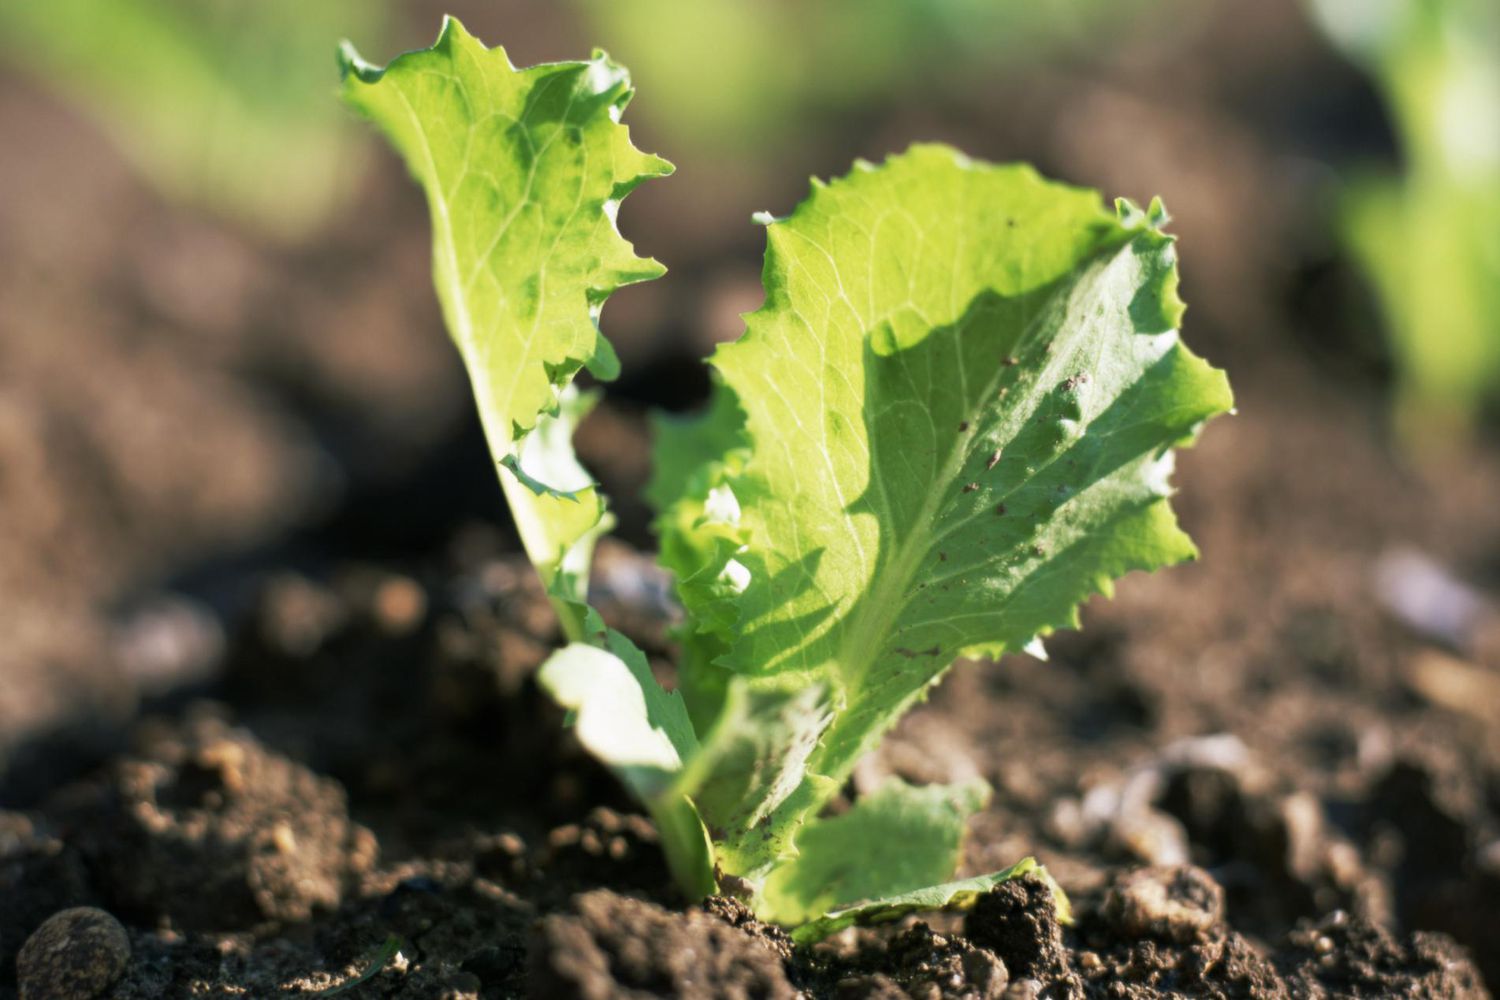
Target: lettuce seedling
950, 423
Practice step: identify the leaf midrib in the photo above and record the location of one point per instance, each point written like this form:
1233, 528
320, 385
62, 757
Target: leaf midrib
862, 645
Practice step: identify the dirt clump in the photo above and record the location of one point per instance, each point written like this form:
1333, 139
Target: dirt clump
1341, 955
607, 945
920, 962
205, 826
505, 881
1017, 920
1177, 902
1159, 933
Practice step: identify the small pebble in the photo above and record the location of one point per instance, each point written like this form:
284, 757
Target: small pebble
74, 955
1024, 989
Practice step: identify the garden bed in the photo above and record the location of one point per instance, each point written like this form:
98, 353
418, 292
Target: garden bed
274, 717
377, 765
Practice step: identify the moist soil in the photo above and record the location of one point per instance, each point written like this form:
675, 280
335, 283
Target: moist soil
1251, 780
268, 718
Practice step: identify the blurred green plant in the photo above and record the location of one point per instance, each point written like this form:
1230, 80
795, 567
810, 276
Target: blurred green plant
1429, 237
736, 75
219, 103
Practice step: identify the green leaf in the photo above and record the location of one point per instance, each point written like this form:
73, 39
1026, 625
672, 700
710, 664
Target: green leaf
699, 526
699, 535
691, 450
524, 170
642, 733
751, 761
558, 523
896, 840
960, 895
959, 402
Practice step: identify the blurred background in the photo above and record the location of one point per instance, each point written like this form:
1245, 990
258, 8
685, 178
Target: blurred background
221, 356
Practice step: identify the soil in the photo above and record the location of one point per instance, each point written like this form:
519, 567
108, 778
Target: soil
268, 725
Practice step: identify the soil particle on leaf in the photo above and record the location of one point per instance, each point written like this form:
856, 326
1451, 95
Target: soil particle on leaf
207, 827
74, 955
608, 946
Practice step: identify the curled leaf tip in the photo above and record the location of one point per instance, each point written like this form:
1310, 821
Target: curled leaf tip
351, 63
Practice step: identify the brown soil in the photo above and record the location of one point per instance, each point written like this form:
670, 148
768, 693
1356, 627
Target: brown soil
272, 718
390, 709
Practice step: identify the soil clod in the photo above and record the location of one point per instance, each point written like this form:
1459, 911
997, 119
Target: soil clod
610, 946
1017, 920
207, 827
1177, 903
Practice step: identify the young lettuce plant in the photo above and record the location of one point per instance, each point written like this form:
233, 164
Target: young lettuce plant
950, 423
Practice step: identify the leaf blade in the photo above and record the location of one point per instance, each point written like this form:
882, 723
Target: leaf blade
950, 896
523, 170
959, 402
898, 839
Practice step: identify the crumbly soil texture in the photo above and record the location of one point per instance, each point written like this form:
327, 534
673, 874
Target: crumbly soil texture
1250, 788
268, 719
